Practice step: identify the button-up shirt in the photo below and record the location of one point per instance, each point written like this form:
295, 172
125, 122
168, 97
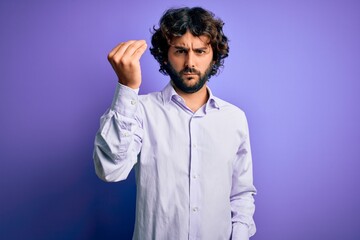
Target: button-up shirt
193, 169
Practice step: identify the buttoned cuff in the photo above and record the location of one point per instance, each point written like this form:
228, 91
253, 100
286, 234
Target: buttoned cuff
125, 100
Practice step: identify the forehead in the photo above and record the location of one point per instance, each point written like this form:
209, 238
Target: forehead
189, 40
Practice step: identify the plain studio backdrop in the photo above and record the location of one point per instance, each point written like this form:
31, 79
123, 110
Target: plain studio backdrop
294, 68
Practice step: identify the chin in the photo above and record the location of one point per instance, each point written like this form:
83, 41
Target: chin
190, 81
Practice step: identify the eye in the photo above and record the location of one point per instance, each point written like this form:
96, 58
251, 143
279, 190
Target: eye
200, 51
180, 51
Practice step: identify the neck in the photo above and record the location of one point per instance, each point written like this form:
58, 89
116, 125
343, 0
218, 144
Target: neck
194, 100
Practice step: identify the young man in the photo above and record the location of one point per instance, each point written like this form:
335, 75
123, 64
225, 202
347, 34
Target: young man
190, 149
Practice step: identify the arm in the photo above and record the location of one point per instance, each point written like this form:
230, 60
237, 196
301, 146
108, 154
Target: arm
243, 190
118, 141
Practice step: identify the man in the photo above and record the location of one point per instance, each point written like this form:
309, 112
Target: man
190, 149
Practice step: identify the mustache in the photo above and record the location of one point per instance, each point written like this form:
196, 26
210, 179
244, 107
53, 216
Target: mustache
189, 70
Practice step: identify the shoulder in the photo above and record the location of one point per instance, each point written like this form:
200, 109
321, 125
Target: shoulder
151, 102
150, 97
229, 108
232, 117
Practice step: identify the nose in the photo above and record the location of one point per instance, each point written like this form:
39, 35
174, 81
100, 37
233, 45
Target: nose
190, 61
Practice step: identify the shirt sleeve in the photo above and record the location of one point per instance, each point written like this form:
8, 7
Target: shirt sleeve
118, 140
243, 190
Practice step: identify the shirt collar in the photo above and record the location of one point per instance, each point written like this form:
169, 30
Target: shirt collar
169, 92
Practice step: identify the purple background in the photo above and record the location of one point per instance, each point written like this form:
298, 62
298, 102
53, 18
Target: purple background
294, 68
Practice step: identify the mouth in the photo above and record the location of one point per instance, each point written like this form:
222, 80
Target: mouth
189, 76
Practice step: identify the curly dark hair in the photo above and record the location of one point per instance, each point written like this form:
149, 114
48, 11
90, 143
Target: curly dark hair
177, 21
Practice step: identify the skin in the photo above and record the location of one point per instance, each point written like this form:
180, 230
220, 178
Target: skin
187, 51
125, 60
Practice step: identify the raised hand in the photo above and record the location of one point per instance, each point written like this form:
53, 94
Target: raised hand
125, 60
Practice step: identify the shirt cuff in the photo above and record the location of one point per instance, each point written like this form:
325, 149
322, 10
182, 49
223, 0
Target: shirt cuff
240, 232
125, 100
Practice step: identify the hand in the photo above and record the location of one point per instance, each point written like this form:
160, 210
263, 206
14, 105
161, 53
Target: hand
125, 60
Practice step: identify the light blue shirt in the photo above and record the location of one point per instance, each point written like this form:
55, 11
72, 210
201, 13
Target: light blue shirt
193, 170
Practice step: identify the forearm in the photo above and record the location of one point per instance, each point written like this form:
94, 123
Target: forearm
243, 190
243, 209
240, 231
118, 140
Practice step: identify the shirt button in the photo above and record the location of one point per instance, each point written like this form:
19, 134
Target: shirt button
195, 209
194, 145
133, 102
194, 176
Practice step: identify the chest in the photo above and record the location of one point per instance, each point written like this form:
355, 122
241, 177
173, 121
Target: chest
175, 134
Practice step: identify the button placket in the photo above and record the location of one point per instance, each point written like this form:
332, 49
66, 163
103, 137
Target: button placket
195, 188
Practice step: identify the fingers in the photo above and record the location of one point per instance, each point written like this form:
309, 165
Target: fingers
140, 51
135, 49
130, 49
119, 49
125, 60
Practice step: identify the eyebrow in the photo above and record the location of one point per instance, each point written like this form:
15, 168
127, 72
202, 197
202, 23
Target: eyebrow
187, 49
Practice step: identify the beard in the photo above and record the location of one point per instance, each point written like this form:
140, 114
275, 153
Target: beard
180, 80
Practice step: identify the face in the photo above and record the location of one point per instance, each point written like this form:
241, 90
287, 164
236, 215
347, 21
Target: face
190, 61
